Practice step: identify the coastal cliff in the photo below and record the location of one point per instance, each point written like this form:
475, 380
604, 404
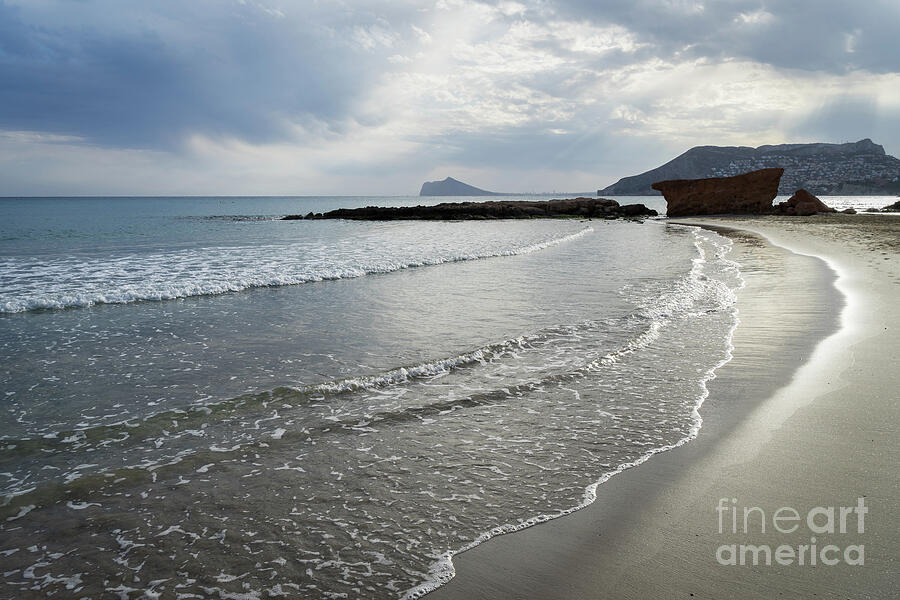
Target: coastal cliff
457, 211
750, 193
854, 168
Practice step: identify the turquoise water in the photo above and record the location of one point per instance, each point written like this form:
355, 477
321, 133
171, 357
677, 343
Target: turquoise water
201, 400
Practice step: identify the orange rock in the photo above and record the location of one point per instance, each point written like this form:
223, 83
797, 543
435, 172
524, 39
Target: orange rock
750, 193
802, 204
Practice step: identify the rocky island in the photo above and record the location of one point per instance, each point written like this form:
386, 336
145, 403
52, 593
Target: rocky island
599, 208
453, 187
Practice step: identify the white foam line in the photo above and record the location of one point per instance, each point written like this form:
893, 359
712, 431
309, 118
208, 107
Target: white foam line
404, 374
443, 571
172, 291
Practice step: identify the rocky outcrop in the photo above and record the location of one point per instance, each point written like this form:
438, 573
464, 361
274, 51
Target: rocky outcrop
895, 207
802, 204
456, 211
452, 187
750, 193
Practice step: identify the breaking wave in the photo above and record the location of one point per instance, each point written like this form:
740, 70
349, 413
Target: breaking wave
69, 282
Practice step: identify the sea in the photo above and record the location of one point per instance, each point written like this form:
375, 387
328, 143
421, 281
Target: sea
200, 400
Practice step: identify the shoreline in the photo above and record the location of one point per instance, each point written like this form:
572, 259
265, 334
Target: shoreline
443, 571
648, 534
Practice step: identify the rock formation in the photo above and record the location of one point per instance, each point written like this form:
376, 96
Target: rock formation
500, 209
750, 193
802, 204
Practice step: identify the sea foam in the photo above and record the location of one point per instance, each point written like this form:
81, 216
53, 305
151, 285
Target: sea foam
73, 281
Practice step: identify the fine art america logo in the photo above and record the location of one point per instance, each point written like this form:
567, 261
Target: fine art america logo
831, 523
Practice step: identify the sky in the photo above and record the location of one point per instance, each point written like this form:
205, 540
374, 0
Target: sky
374, 97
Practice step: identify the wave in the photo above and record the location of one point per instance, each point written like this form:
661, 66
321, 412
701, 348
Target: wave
139, 436
78, 283
442, 570
134, 430
517, 376
677, 299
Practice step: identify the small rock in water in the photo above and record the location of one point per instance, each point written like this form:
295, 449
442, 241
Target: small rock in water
802, 204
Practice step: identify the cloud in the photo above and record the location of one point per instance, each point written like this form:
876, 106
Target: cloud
152, 74
368, 96
423, 36
797, 34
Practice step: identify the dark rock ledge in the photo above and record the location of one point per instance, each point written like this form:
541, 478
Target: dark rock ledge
599, 208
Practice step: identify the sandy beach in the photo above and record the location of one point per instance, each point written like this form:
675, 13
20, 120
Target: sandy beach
806, 415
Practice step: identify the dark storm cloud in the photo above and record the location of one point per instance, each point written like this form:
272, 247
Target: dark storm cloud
146, 74
827, 35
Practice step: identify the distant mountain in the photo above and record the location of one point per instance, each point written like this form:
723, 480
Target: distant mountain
452, 187
855, 168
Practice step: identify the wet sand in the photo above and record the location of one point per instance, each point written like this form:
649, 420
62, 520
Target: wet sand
806, 414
